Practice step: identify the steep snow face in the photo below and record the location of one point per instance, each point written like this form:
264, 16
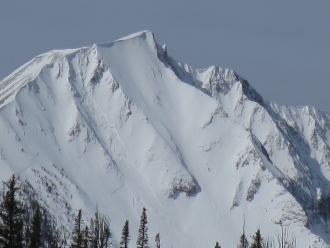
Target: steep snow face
11, 84
124, 125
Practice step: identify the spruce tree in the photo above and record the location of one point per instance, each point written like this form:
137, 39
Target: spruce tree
257, 240
157, 240
11, 217
27, 237
243, 242
35, 236
142, 240
125, 238
93, 235
86, 238
217, 245
77, 234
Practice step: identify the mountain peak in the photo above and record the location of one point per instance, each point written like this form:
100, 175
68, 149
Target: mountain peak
127, 126
146, 34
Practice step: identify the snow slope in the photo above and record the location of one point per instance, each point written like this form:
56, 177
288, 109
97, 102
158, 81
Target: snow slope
124, 125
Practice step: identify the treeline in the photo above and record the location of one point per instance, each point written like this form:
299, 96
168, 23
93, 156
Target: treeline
28, 225
98, 234
282, 240
25, 224
324, 206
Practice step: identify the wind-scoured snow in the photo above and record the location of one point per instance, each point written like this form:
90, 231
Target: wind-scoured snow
125, 126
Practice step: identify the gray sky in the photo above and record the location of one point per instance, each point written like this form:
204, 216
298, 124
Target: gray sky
281, 47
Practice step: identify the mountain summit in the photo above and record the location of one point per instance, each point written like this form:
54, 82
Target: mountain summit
125, 126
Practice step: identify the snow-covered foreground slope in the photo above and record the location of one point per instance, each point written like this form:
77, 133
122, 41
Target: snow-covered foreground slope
124, 125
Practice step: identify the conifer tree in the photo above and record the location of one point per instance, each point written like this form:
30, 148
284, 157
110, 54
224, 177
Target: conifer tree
93, 227
125, 238
142, 241
35, 236
86, 238
257, 240
58, 238
77, 234
27, 237
11, 217
217, 245
157, 240
243, 242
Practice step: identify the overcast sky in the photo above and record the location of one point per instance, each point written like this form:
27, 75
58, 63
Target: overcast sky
281, 47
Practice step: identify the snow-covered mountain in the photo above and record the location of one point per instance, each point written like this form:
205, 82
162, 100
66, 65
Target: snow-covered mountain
124, 125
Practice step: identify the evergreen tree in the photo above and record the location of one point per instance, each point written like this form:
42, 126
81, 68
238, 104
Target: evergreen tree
93, 227
58, 238
243, 242
11, 217
157, 240
86, 238
77, 234
324, 206
27, 237
35, 236
142, 241
217, 245
257, 240
125, 238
